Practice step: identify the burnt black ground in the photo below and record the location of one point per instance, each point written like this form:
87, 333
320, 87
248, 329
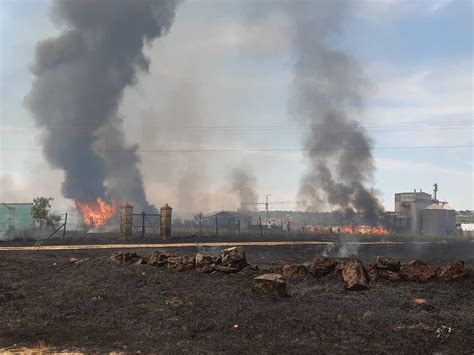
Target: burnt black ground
101, 306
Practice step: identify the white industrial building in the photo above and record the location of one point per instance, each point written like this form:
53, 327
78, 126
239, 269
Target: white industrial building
418, 212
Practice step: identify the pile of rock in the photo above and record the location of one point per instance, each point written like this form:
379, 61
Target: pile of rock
128, 258
180, 263
357, 275
207, 263
160, 258
451, 272
230, 261
416, 270
354, 273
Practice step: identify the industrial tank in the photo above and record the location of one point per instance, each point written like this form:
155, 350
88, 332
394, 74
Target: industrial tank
438, 220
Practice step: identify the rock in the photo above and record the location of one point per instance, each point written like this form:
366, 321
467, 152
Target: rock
388, 263
322, 266
127, 258
234, 258
372, 272
389, 275
75, 261
451, 272
354, 276
294, 272
160, 258
180, 263
270, 285
416, 270
206, 263
420, 303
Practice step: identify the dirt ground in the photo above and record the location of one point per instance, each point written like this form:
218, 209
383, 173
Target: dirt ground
99, 306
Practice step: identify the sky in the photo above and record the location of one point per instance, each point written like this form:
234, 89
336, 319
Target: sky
226, 69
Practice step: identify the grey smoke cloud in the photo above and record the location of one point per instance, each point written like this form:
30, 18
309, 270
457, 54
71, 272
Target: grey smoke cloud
330, 91
80, 77
243, 183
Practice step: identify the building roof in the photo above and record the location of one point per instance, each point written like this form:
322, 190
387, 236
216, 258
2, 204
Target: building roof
5, 204
414, 192
227, 214
435, 206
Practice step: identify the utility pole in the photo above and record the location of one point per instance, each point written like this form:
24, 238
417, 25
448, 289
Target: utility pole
65, 223
267, 217
143, 225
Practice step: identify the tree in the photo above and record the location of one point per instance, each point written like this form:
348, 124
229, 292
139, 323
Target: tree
197, 217
41, 212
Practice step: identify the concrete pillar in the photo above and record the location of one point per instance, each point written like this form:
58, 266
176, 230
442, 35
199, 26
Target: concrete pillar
126, 216
165, 222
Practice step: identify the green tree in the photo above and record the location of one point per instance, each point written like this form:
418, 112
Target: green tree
41, 212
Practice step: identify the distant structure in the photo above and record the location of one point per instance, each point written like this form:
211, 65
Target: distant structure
418, 212
439, 220
227, 220
408, 210
15, 216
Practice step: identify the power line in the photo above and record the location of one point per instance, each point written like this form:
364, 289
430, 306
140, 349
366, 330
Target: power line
258, 132
250, 150
251, 128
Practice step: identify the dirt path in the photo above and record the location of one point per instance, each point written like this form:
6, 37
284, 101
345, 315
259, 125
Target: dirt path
194, 245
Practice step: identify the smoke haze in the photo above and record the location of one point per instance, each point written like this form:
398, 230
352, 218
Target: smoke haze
242, 184
80, 79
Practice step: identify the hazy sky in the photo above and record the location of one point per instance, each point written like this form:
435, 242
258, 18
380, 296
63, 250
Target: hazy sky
221, 67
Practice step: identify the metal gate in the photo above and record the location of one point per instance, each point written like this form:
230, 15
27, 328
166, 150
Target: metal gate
145, 225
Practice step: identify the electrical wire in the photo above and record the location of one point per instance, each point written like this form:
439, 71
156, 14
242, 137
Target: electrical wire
251, 150
257, 129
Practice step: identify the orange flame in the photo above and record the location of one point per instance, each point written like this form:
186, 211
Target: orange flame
97, 214
348, 229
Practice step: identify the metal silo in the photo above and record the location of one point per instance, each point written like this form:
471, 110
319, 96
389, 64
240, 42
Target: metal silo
438, 220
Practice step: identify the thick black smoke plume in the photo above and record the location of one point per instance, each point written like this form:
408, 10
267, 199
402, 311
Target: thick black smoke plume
330, 92
80, 79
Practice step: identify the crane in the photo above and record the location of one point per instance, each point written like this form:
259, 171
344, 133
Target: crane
267, 203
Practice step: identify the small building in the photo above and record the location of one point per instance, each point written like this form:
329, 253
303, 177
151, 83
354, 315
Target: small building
227, 220
15, 216
467, 229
